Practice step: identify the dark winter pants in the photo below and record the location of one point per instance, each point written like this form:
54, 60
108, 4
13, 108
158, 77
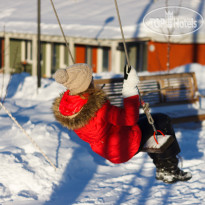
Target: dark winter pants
163, 123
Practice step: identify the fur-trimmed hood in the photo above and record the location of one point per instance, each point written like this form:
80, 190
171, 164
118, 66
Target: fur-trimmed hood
95, 102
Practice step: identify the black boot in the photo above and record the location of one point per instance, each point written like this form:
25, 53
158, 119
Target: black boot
169, 172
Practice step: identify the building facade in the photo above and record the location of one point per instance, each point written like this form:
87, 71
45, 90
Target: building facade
19, 53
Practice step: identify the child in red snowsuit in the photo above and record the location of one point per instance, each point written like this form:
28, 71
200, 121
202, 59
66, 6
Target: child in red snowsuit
114, 133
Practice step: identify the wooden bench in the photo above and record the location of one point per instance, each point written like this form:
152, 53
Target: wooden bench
164, 93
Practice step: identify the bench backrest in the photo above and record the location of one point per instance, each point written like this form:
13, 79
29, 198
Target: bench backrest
165, 89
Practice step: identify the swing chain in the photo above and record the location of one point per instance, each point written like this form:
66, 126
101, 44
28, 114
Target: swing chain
66, 42
122, 33
145, 107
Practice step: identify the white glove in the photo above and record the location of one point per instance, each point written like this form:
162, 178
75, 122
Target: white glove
130, 82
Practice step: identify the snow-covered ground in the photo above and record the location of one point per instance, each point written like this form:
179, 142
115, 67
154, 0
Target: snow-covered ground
83, 177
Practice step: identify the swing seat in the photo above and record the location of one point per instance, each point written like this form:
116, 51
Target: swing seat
159, 146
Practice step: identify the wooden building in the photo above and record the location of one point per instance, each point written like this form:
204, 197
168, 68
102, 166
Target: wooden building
95, 38
18, 53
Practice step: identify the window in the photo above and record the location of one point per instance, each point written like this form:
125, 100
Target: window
55, 57
106, 59
1, 53
15, 54
54, 50
28, 50
88, 57
137, 52
66, 55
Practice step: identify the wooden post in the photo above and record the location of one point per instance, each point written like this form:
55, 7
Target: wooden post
39, 45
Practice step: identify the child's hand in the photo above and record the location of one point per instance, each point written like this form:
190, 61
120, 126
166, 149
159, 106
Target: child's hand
130, 82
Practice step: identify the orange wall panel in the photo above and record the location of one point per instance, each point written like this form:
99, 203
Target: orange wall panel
94, 59
80, 54
180, 54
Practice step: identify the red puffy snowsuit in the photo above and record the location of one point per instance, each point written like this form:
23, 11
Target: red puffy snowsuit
112, 132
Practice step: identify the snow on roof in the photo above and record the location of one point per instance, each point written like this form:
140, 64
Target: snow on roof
91, 18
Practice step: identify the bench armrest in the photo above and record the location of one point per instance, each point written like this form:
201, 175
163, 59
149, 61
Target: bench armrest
198, 94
